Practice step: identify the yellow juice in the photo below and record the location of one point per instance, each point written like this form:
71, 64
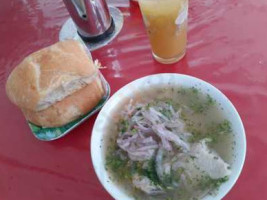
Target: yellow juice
166, 23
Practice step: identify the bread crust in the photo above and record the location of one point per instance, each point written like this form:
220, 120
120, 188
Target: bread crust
70, 108
45, 71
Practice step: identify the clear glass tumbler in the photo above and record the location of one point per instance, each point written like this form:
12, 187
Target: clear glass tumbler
166, 24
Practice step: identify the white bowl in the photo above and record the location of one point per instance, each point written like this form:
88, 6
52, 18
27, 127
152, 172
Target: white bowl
134, 89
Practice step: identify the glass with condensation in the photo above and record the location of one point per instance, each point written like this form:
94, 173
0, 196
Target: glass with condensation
166, 24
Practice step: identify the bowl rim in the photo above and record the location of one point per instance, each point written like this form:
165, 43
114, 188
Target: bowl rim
218, 196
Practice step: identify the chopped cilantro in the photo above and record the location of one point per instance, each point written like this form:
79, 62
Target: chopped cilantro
167, 180
207, 182
115, 163
176, 175
150, 172
167, 113
134, 131
136, 167
224, 127
197, 107
169, 102
210, 100
196, 136
194, 90
182, 91
193, 157
148, 106
200, 104
123, 126
213, 132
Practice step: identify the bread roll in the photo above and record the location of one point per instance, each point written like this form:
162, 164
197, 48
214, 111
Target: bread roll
55, 85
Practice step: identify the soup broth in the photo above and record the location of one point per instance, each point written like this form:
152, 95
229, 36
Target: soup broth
189, 130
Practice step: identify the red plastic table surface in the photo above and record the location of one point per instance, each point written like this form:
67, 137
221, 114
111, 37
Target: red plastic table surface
227, 46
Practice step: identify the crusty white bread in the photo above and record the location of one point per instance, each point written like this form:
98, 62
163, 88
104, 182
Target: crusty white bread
55, 85
49, 75
69, 109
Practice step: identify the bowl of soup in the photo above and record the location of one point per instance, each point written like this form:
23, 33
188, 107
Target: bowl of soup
168, 137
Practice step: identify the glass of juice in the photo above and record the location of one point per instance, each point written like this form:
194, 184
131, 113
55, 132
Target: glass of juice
166, 24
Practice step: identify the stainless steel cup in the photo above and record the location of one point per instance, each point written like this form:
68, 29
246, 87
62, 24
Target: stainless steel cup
91, 17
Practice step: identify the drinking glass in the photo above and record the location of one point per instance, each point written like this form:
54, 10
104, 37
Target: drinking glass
166, 24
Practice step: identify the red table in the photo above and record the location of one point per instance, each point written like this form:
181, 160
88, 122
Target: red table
227, 47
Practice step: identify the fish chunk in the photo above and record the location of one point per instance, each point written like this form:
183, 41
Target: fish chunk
200, 159
209, 161
143, 183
